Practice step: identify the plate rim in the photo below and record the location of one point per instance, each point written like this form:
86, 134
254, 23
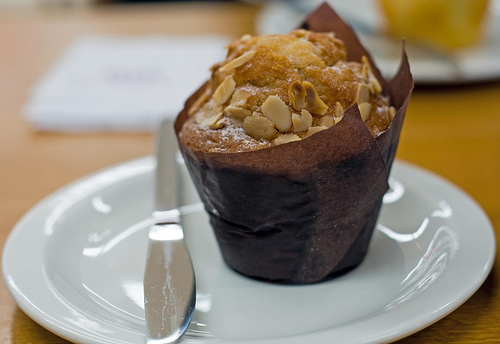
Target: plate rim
403, 330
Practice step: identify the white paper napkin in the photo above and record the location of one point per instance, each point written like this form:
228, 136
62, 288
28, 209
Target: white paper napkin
122, 84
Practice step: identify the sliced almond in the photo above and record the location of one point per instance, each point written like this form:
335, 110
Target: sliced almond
259, 127
365, 109
240, 97
339, 110
366, 66
337, 119
238, 62
215, 122
392, 113
384, 100
203, 114
199, 102
364, 71
216, 108
237, 112
297, 94
301, 33
327, 121
367, 73
285, 138
277, 112
225, 90
313, 103
314, 130
363, 94
245, 37
376, 84
302, 122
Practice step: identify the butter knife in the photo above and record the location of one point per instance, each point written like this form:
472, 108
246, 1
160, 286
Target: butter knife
169, 282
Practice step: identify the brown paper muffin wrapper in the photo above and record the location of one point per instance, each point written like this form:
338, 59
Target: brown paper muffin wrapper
304, 211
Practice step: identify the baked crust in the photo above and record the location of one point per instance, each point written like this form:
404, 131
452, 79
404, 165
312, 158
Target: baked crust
256, 98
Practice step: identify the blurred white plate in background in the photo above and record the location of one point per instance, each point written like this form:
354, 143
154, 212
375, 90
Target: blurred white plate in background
476, 64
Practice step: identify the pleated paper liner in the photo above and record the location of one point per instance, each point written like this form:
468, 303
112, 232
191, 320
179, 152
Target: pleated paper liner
305, 211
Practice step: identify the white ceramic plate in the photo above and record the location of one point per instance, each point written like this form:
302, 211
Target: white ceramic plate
476, 64
75, 262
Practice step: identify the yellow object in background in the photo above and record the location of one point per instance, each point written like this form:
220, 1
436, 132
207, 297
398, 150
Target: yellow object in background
449, 24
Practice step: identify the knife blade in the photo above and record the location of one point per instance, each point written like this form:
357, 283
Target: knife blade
169, 281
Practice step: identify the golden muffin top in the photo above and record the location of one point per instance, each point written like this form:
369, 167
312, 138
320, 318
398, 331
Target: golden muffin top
275, 89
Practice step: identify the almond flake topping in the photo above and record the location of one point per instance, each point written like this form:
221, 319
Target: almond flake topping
313, 103
339, 110
363, 95
238, 62
277, 112
365, 109
245, 37
367, 73
302, 122
237, 112
199, 102
392, 113
225, 90
314, 130
376, 84
327, 121
364, 71
285, 138
297, 94
259, 127
240, 97
215, 122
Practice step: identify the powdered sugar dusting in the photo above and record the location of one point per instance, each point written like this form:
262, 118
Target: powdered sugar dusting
232, 139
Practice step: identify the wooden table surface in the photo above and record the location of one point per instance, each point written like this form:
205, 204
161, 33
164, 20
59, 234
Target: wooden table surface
452, 131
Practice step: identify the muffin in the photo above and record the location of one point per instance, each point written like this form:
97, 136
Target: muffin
289, 145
